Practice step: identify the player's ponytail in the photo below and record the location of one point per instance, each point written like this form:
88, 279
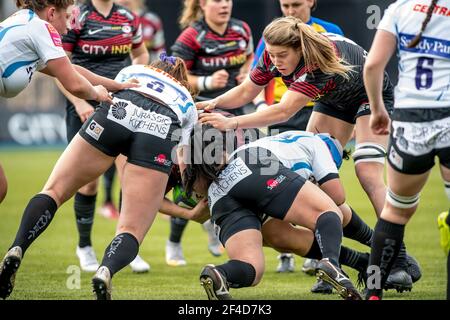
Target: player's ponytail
317, 51
191, 13
414, 42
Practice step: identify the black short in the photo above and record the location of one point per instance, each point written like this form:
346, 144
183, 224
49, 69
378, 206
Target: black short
73, 122
349, 115
254, 182
142, 129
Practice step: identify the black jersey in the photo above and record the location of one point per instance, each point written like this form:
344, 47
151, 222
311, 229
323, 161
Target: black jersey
330, 89
206, 51
102, 44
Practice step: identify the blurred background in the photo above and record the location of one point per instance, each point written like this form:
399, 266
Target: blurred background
36, 116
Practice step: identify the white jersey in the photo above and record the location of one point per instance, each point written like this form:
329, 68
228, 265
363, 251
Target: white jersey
424, 71
302, 152
27, 43
163, 87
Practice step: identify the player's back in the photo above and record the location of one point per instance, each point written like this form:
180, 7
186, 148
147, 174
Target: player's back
424, 76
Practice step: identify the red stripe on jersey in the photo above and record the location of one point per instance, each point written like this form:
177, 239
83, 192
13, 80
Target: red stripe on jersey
260, 78
188, 37
306, 88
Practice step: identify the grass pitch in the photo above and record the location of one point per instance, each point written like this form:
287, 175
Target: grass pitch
49, 270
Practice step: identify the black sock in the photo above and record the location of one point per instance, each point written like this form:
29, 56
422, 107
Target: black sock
358, 230
354, 259
120, 252
239, 274
84, 213
37, 216
386, 244
401, 262
177, 226
108, 181
329, 235
314, 252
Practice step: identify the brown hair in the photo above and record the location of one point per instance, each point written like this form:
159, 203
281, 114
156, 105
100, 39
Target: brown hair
38, 5
317, 50
191, 13
178, 71
414, 42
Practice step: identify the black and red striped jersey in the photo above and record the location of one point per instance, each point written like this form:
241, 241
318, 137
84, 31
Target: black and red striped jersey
330, 89
103, 44
205, 51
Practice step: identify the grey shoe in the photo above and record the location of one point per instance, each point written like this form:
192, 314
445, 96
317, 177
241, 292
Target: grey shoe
287, 263
8, 269
101, 283
399, 280
309, 266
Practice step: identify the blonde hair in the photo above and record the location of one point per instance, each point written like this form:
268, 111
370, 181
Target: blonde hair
191, 13
38, 5
317, 50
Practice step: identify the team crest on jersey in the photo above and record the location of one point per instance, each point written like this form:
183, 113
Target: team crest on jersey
242, 44
56, 38
126, 29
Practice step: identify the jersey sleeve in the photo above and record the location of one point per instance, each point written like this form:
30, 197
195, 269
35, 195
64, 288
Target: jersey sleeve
313, 84
136, 39
47, 41
323, 166
261, 74
388, 22
186, 46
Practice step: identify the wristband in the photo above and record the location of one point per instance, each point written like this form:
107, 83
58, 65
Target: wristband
204, 83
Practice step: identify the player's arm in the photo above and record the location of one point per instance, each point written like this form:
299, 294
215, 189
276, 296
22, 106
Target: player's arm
290, 103
63, 70
139, 55
200, 213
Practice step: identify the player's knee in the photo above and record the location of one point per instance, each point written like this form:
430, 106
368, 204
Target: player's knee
369, 152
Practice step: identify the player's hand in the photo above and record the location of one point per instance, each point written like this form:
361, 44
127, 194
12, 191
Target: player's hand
219, 79
102, 95
117, 86
379, 122
84, 110
200, 213
206, 105
218, 121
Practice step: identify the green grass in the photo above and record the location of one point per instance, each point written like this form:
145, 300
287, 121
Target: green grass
43, 271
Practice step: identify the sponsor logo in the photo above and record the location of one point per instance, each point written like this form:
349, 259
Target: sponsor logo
94, 130
56, 38
126, 29
395, 158
427, 45
118, 110
92, 32
235, 172
162, 159
273, 183
137, 119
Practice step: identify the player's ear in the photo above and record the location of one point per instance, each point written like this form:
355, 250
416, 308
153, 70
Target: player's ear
51, 11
